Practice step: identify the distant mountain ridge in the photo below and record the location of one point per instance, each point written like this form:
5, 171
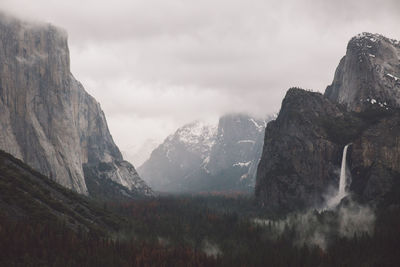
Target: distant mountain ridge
200, 157
138, 154
47, 119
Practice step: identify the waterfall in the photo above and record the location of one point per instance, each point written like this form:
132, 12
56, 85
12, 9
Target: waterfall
335, 200
343, 180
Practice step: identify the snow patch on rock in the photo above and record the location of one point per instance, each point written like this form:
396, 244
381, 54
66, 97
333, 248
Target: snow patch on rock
242, 164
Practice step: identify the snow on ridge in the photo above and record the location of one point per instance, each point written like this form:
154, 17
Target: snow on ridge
196, 136
374, 101
366, 35
258, 126
375, 37
242, 164
205, 163
197, 132
246, 141
395, 78
206, 160
244, 176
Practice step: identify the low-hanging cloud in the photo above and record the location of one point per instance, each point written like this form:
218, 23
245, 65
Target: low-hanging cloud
319, 228
147, 60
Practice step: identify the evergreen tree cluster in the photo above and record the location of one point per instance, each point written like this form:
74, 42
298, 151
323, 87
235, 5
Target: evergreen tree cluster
191, 231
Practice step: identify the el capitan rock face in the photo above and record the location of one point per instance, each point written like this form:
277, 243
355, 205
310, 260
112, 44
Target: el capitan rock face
303, 146
47, 119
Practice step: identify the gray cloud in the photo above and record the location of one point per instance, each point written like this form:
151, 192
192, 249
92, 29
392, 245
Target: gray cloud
155, 64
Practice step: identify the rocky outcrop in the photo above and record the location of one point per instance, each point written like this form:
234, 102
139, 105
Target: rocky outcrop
303, 146
375, 160
369, 73
47, 119
199, 157
299, 158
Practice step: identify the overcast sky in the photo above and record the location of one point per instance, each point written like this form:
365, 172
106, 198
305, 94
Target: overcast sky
155, 64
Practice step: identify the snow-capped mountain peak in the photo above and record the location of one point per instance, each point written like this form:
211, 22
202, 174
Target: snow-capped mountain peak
201, 157
195, 133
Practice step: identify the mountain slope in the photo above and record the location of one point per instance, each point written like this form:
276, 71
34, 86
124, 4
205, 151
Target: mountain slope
200, 157
303, 146
27, 195
178, 156
47, 119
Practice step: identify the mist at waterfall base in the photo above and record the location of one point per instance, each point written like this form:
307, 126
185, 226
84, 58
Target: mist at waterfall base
340, 216
344, 181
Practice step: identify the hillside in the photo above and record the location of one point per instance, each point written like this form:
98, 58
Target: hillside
30, 197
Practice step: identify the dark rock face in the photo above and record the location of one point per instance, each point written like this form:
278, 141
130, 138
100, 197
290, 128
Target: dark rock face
375, 164
303, 146
201, 157
299, 158
47, 119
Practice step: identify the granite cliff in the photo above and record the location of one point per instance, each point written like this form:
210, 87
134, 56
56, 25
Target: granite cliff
303, 146
47, 119
369, 72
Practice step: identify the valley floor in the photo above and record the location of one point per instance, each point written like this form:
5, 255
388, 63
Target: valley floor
198, 231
